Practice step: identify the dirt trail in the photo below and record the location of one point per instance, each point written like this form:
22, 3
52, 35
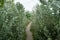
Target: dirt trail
28, 32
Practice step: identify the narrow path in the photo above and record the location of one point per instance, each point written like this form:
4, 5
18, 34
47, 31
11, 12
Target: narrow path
28, 32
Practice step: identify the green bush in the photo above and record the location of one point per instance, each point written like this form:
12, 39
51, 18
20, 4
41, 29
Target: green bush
12, 26
46, 25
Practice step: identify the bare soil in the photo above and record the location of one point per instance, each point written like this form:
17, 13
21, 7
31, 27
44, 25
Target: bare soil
28, 32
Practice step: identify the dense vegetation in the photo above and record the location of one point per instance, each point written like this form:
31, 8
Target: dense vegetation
45, 20
46, 25
12, 21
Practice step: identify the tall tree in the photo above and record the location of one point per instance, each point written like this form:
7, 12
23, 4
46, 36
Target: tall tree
47, 26
11, 22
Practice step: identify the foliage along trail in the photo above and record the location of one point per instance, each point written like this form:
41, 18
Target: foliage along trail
28, 32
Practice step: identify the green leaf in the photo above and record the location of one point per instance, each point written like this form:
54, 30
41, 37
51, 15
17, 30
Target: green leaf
1, 3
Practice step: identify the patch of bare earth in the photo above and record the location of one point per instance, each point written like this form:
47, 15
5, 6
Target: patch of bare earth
28, 32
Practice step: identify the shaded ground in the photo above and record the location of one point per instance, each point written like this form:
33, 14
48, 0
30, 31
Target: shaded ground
28, 32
